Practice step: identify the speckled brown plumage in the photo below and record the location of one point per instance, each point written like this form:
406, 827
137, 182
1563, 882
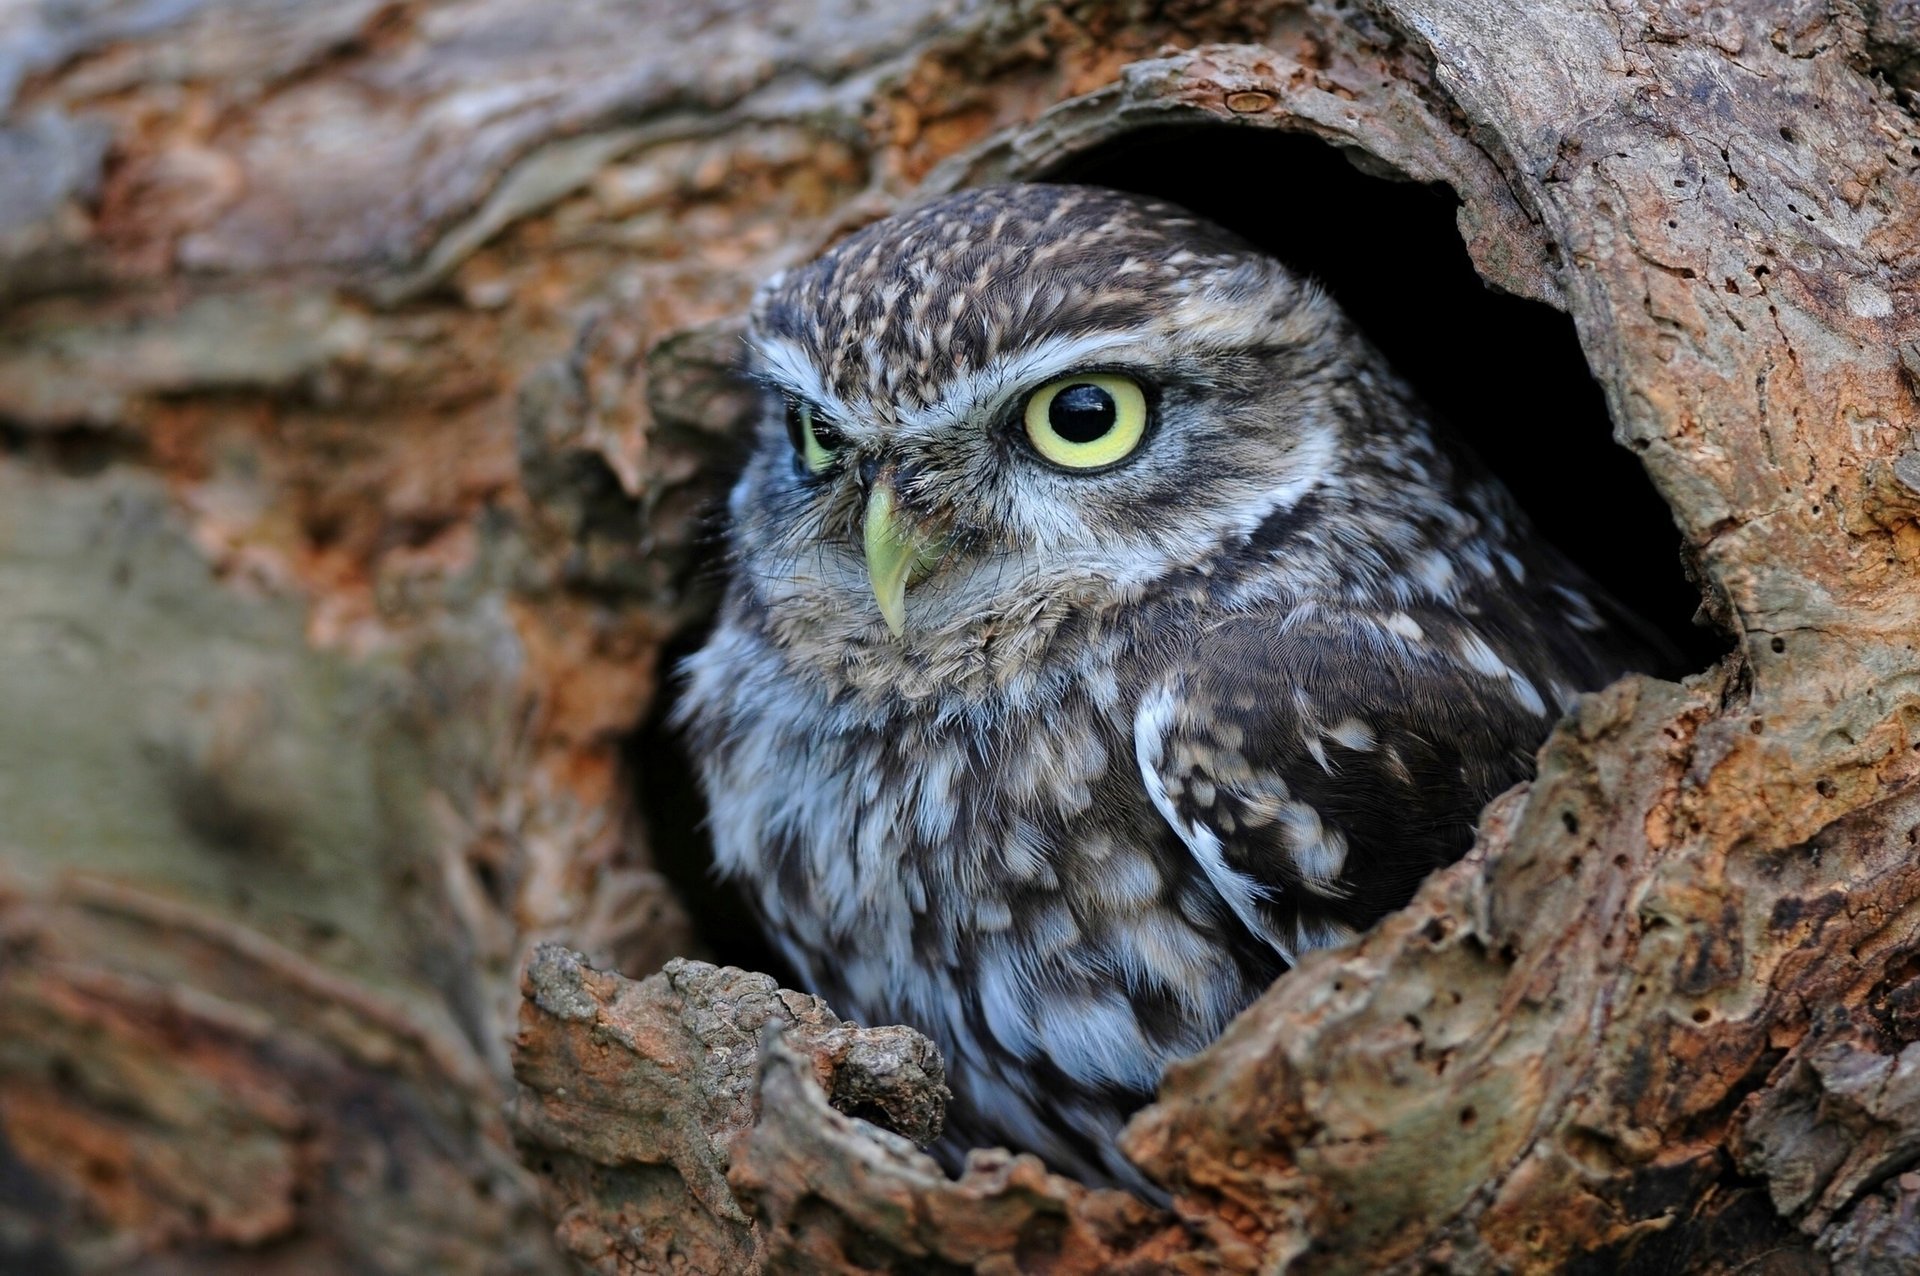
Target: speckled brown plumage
1149, 730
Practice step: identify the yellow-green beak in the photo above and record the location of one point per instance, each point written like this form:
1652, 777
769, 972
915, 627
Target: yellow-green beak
899, 553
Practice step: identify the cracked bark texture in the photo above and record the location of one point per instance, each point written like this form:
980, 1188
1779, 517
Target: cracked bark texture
363, 370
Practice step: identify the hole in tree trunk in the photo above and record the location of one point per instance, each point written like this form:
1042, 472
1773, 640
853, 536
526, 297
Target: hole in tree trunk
1504, 374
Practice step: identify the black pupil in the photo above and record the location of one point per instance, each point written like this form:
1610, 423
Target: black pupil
1082, 413
797, 421
796, 427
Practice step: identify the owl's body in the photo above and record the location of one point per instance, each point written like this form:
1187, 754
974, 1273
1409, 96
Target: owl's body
1149, 727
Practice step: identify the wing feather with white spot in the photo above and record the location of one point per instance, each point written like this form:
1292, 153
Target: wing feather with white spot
1318, 771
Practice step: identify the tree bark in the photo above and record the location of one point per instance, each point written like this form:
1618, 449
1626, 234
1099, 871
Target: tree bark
365, 369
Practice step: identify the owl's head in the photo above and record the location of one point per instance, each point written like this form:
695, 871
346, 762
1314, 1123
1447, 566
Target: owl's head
1022, 399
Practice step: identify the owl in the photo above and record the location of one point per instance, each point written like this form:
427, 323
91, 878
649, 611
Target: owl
1107, 626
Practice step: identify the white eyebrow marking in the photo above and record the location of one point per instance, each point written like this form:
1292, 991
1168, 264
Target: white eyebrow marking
967, 395
983, 392
787, 363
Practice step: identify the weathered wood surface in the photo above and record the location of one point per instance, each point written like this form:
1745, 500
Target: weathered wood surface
362, 367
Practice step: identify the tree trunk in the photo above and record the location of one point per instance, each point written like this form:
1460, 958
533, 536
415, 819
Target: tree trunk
365, 369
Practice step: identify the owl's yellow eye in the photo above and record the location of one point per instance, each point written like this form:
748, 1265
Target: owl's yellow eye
811, 437
1087, 421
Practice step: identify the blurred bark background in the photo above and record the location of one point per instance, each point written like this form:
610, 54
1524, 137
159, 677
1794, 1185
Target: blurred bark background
363, 374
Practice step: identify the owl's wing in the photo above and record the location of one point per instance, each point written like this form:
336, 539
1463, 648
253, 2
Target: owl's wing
1317, 770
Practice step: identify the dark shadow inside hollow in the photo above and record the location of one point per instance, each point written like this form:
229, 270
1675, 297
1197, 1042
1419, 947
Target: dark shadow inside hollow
1507, 375
674, 811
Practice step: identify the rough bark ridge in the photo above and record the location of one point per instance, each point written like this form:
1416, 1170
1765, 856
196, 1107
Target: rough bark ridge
330, 648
